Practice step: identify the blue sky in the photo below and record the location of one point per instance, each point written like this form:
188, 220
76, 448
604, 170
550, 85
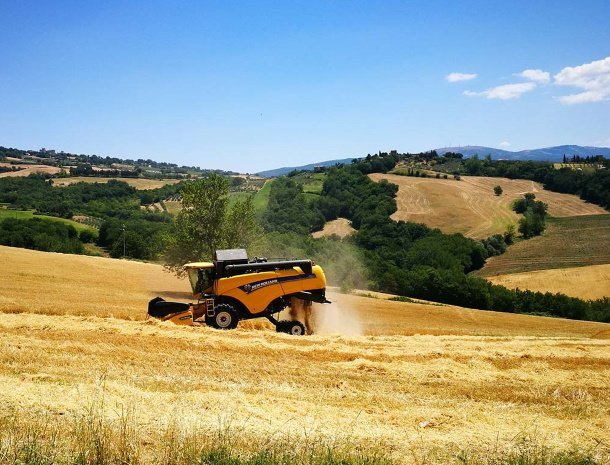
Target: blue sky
250, 86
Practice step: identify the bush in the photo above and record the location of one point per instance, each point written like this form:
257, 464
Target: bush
87, 236
40, 234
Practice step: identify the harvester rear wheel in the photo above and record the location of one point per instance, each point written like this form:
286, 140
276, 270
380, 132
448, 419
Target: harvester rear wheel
225, 317
295, 328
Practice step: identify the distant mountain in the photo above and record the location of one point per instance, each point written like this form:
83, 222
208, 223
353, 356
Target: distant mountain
554, 154
310, 167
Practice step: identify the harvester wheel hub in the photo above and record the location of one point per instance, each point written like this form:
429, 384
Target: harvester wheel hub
224, 319
296, 330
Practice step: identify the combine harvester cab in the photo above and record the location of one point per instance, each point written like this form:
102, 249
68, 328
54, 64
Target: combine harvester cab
233, 288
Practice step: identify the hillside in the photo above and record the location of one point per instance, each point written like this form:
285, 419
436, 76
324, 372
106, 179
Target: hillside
138, 183
310, 167
553, 154
544, 154
437, 394
26, 170
51, 161
585, 282
470, 207
104, 287
566, 243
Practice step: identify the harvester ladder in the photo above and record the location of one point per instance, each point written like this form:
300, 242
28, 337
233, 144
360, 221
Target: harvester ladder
209, 307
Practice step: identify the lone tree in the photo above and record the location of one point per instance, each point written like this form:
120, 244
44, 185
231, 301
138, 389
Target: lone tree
206, 223
498, 190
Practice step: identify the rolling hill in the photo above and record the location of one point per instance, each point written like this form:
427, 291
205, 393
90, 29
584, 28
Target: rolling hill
310, 167
470, 207
554, 154
551, 154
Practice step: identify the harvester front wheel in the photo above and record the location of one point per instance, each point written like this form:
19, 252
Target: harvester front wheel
225, 317
295, 328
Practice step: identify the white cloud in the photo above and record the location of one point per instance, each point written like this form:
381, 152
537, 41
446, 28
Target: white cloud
592, 78
457, 77
505, 144
505, 92
536, 75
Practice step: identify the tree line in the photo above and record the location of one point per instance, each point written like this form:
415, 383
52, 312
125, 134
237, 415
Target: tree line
412, 259
115, 205
592, 185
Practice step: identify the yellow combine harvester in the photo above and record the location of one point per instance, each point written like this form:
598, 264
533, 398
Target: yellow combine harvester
233, 288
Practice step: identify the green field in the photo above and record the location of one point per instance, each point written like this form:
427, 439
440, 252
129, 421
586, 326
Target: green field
567, 242
261, 199
23, 214
312, 182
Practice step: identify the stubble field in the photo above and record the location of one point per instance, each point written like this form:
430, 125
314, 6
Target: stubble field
584, 282
28, 169
566, 243
470, 207
423, 382
138, 183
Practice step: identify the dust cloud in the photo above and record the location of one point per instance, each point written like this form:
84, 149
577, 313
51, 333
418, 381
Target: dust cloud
325, 318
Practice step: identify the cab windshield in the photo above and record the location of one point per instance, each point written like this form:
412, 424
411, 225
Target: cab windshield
201, 279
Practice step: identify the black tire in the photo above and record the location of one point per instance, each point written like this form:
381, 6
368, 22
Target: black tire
294, 328
225, 317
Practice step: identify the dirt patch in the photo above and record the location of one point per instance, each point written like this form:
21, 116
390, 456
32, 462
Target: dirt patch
340, 227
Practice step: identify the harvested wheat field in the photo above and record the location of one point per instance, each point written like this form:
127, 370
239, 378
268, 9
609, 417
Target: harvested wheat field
340, 227
61, 284
30, 169
138, 183
423, 382
585, 282
470, 207
566, 243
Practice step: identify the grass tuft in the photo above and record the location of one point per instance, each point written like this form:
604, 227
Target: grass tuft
93, 439
531, 452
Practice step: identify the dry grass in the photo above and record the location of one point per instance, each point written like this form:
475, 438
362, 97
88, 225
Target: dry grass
138, 183
173, 206
470, 206
423, 396
340, 227
566, 243
586, 282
